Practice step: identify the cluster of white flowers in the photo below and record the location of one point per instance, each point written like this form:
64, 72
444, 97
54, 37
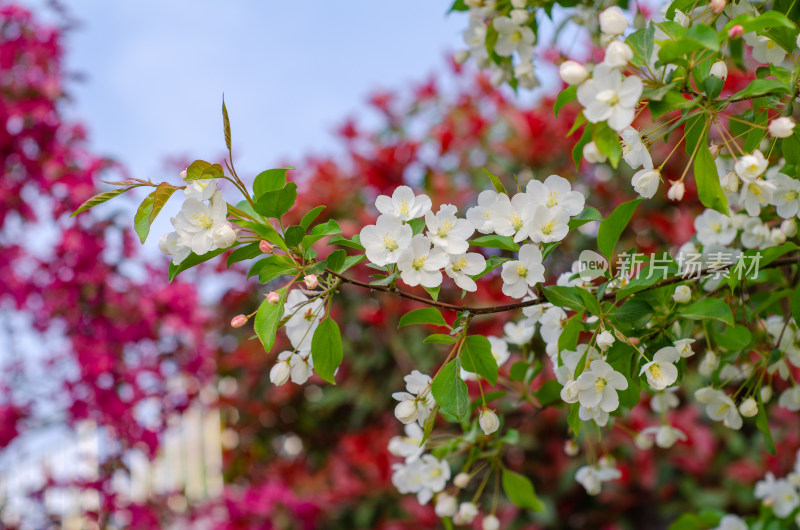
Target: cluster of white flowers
514, 44
540, 215
305, 316
200, 226
422, 476
782, 495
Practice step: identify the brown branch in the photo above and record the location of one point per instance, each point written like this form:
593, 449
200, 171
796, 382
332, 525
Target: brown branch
780, 262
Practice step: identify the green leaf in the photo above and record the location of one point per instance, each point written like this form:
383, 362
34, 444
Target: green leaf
759, 87
226, 124
268, 319
450, 391
417, 225
328, 228
495, 241
269, 180
705, 174
549, 393
498, 186
426, 315
192, 260
270, 267
611, 227
100, 198
433, 292
635, 312
577, 150
277, 203
671, 101
607, 142
294, 235
351, 261
712, 308
712, 85
565, 96
242, 253
476, 357
791, 148
734, 338
326, 349
705, 35
309, 218
335, 260
796, 304
150, 207
519, 490
196, 169
642, 42
586, 216
341, 241
763, 425
572, 330
439, 338
563, 296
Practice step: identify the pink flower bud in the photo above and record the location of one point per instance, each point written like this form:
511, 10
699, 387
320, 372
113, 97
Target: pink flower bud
184, 173
718, 6
273, 298
714, 149
311, 281
238, 321
735, 32
675, 192
265, 247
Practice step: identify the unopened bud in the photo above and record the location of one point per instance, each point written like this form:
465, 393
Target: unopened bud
571, 448
736, 32
748, 408
718, 6
719, 69
642, 441
573, 72
461, 480
714, 150
238, 321
675, 192
766, 394
184, 173
782, 127
273, 298
789, 228
490, 522
311, 281
592, 154
777, 236
265, 246
682, 294
488, 421
406, 411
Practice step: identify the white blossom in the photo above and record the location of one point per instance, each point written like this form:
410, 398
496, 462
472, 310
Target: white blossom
645, 182
599, 385
786, 195
719, 69
613, 21
634, 152
446, 505
513, 37
409, 446
518, 333
520, 274
719, 407
552, 322
618, 54
197, 222
548, 224
750, 167
403, 204
790, 399
755, 194
684, 347
423, 476
661, 372
682, 294
385, 240
592, 154
665, 400
665, 435
779, 494
200, 189
731, 522
479, 215
714, 228
765, 50
488, 421
448, 232
609, 96
592, 477
172, 245
556, 192
510, 216
462, 266
467, 512
420, 264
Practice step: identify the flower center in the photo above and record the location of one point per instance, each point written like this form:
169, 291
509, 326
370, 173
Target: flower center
460, 264
600, 384
655, 371
609, 97
723, 408
552, 199
404, 207
203, 220
522, 271
516, 36
790, 196
389, 243
716, 227
516, 221
547, 228
755, 189
444, 229
770, 44
309, 315
419, 262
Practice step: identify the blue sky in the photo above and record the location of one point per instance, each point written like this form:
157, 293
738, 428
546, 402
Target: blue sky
291, 71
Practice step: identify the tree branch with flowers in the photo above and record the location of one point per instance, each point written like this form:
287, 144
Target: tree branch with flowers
613, 336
